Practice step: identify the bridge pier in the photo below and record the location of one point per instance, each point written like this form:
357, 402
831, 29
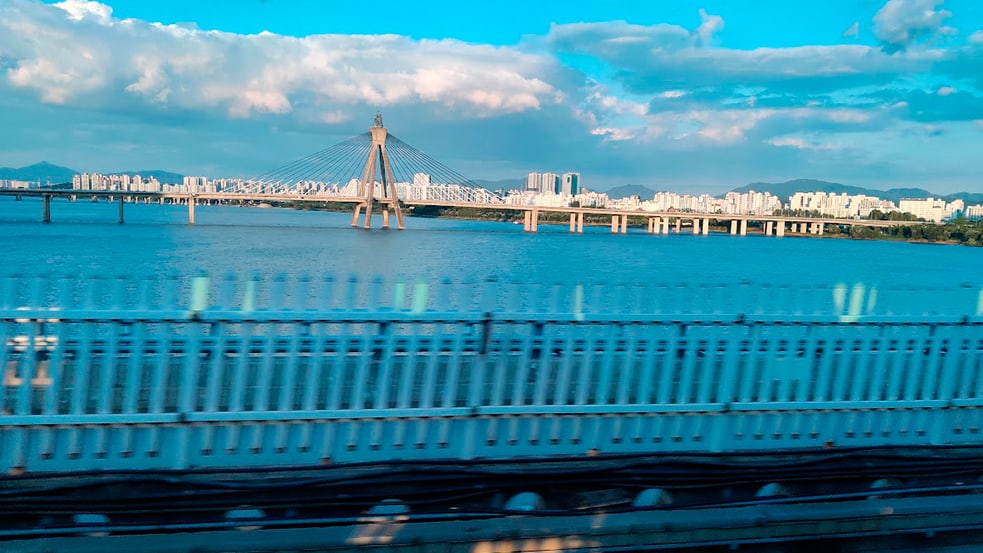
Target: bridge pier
121, 210
385, 218
706, 227
191, 210
580, 223
534, 224
679, 226
614, 224
696, 226
624, 224
733, 227
780, 229
768, 228
45, 208
573, 222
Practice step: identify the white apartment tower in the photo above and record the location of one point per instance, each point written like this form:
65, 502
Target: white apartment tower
571, 184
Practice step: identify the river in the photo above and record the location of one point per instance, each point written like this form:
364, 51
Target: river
84, 238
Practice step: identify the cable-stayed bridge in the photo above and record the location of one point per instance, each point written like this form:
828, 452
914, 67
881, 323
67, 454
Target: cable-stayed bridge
372, 168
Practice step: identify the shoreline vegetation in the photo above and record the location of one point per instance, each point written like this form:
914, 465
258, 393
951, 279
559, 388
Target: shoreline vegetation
960, 231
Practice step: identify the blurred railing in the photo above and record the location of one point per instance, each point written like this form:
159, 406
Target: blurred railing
174, 373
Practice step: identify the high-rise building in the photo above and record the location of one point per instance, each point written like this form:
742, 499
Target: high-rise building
550, 183
571, 184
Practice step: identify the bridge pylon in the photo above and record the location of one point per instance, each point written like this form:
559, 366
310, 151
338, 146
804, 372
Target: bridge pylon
378, 162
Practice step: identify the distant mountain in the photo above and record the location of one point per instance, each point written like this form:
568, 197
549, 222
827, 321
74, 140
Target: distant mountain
39, 172
57, 174
786, 189
164, 177
970, 198
627, 190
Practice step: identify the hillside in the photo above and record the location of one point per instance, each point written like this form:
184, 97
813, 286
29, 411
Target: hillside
788, 188
57, 174
628, 190
42, 172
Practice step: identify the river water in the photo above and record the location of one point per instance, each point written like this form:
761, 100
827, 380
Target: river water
84, 238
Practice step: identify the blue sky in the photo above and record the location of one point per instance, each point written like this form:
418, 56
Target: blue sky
689, 96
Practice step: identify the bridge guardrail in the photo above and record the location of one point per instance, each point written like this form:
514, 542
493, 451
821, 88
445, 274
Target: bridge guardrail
178, 373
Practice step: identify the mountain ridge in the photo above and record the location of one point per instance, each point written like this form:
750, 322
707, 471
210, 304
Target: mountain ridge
788, 188
44, 171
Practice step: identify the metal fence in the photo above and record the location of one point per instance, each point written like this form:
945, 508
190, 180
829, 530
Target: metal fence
175, 373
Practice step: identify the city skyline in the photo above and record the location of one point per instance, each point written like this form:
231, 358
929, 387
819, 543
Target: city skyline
696, 97
553, 191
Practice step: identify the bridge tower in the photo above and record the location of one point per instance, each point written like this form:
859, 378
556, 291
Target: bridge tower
378, 159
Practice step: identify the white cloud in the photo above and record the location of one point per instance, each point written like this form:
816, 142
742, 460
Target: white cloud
335, 117
799, 143
976, 38
614, 134
84, 9
662, 57
76, 52
901, 23
709, 25
852, 31
945, 90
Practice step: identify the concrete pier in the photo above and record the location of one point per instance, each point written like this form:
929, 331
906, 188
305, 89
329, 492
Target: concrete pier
580, 222
534, 225
733, 227
705, 230
780, 231
624, 224
527, 221
385, 217
743, 227
614, 224
45, 208
191, 210
573, 222
769, 225
120, 203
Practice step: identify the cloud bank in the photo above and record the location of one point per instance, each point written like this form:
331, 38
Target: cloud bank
616, 100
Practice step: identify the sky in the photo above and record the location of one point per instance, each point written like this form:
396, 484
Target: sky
691, 96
